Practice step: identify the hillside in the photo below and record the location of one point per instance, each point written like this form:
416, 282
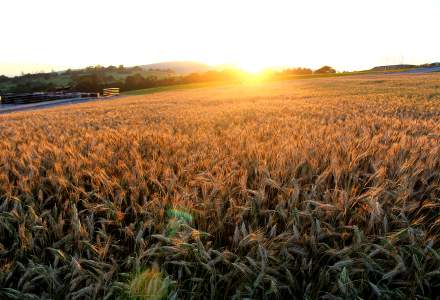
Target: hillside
71, 79
97, 76
180, 67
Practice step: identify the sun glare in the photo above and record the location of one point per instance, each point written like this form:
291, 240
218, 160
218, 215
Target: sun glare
252, 67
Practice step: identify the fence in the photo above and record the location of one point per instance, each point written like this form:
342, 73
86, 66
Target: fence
42, 97
110, 92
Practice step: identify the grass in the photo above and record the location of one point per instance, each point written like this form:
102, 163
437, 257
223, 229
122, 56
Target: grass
55, 80
145, 73
225, 83
6, 86
149, 284
175, 87
306, 189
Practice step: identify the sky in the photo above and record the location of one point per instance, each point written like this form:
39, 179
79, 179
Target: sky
47, 35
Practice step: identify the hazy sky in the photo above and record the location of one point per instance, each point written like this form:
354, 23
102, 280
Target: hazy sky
56, 34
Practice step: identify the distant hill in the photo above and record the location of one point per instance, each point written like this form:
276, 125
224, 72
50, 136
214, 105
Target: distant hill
393, 67
436, 64
403, 66
179, 67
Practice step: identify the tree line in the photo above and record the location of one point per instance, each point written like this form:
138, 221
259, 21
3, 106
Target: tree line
95, 82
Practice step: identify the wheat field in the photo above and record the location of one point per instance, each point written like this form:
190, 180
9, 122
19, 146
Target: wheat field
307, 189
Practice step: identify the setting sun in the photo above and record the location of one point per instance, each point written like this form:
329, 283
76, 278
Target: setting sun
253, 67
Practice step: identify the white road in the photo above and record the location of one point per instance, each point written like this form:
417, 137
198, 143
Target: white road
8, 108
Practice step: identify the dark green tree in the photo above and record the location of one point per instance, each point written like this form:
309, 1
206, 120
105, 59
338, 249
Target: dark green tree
325, 70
